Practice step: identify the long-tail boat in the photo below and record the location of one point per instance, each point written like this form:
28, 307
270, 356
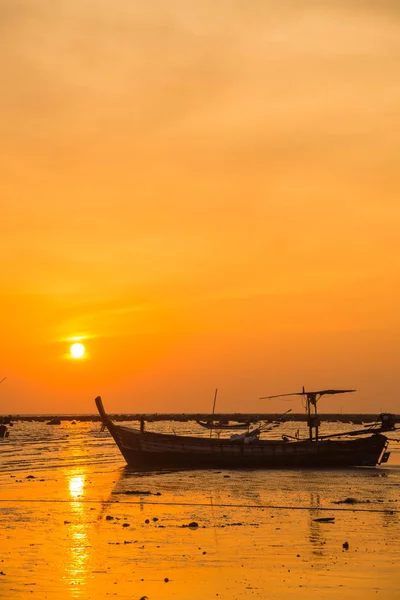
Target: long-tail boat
145, 450
219, 425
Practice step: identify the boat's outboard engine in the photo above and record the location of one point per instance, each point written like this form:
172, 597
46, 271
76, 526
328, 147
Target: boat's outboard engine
388, 421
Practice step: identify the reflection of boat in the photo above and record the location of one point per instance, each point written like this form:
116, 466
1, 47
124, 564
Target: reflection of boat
147, 450
222, 425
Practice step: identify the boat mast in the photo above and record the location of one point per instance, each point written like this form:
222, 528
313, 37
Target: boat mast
313, 420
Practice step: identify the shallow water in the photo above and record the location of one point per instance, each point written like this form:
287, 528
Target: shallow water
257, 533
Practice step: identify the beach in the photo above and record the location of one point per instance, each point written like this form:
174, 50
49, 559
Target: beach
76, 523
200, 224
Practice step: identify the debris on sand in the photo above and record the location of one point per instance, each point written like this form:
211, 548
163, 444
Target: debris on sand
192, 525
137, 492
352, 501
324, 520
346, 545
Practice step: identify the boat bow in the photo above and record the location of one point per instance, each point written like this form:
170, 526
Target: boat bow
105, 419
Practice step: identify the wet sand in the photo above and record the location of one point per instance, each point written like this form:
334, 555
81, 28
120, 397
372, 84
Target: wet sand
92, 529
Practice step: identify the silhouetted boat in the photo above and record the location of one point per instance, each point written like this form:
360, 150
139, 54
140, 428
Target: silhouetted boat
4, 422
218, 425
54, 421
147, 450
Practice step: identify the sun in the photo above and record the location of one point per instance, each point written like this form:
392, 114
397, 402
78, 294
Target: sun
77, 350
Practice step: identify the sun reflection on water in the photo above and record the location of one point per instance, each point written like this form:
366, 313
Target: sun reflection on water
76, 486
76, 567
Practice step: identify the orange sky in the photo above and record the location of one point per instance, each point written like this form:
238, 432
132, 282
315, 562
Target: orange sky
208, 195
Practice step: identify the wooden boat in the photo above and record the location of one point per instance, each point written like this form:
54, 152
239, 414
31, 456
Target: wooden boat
54, 421
218, 425
145, 450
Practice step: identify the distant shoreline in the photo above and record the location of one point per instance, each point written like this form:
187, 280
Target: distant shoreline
185, 417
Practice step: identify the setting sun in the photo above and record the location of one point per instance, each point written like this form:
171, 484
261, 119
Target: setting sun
77, 350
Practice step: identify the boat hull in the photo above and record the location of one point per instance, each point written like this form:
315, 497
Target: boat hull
146, 450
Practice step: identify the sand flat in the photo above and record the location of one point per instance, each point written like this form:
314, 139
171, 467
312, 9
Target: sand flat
87, 527
79, 535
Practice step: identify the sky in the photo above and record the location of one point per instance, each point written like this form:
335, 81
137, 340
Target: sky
205, 195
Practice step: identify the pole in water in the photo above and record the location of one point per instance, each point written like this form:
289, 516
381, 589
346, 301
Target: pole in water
213, 411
